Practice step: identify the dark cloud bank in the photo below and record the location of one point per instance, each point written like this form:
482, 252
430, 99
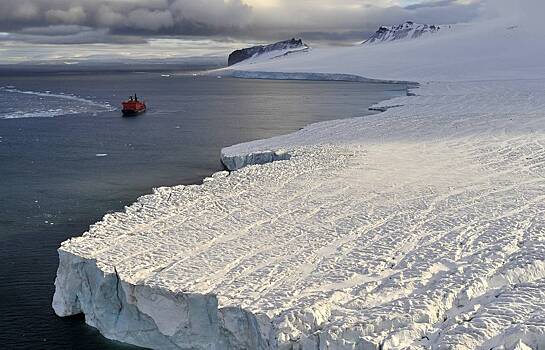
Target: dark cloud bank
132, 21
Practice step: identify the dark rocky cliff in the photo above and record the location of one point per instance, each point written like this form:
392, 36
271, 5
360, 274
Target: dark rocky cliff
244, 54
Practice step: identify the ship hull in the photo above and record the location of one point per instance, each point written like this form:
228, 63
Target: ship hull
132, 112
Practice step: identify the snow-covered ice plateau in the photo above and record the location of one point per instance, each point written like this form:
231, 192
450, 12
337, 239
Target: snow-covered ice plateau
418, 228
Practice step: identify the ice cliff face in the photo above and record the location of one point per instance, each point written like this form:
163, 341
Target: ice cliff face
152, 317
238, 161
407, 30
278, 49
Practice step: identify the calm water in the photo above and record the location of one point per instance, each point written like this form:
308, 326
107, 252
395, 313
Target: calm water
67, 157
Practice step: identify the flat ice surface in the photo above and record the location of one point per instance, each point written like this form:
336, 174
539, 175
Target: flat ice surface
416, 227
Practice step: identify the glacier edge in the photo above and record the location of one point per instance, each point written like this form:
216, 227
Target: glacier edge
152, 317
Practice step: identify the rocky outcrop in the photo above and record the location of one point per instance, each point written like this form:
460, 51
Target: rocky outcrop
407, 30
277, 49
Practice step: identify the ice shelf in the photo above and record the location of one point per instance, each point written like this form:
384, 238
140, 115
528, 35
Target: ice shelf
421, 227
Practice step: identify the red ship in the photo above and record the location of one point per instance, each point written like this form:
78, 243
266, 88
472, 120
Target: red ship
133, 106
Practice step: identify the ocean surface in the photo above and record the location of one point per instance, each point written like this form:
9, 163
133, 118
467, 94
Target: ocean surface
67, 157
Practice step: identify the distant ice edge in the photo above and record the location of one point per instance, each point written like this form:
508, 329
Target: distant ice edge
151, 317
242, 74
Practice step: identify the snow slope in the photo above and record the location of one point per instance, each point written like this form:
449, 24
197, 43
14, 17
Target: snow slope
417, 228
497, 49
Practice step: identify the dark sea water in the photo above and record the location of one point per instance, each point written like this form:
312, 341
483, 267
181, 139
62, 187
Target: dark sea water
67, 157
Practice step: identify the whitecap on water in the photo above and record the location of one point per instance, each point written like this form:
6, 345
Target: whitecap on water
61, 95
34, 114
50, 105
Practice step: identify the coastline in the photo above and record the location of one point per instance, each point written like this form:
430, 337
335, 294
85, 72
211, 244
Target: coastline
318, 154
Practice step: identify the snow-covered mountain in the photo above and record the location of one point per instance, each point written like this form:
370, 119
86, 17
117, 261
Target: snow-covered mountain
278, 49
407, 30
486, 50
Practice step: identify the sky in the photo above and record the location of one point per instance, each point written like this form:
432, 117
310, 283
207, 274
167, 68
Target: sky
72, 30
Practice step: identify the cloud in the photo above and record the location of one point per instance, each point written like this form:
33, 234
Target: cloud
56, 30
351, 16
529, 10
164, 16
150, 50
251, 19
151, 20
68, 34
74, 15
23, 11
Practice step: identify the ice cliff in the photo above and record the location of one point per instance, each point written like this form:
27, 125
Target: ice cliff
151, 317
